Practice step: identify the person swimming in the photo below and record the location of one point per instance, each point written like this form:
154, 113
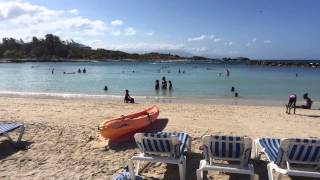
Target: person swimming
127, 97
157, 86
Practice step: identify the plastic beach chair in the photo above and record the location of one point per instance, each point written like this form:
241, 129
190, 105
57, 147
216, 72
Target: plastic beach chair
5, 128
162, 147
292, 157
218, 150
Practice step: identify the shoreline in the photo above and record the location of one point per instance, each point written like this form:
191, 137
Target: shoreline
143, 99
152, 99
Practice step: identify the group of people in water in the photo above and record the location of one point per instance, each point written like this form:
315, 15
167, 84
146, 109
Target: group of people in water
293, 100
79, 71
236, 94
164, 85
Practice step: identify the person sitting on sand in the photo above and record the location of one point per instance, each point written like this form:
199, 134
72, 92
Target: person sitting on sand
291, 103
308, 102
128, 98
157, 86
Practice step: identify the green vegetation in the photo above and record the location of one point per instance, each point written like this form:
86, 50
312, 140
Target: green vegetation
52, 48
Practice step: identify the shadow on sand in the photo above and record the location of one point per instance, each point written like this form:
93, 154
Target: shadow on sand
308, 115
8, 148
127, 142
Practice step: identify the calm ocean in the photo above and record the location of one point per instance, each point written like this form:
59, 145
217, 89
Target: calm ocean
201, 80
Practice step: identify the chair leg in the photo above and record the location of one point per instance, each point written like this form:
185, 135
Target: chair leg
270, 169
182, 171
138, 167
21, 133
189, 145
199, 174
131, 170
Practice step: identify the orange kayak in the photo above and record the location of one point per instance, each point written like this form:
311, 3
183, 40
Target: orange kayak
116, 128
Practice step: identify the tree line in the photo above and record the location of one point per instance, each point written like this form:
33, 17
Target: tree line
51, 47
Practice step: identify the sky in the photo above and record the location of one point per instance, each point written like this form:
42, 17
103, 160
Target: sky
258, 29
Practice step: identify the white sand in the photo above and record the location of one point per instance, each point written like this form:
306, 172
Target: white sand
63, 143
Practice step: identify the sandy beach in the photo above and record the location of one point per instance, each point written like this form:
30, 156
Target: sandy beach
62, 142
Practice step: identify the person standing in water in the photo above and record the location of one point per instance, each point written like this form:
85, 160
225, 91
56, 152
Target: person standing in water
227, 72
52, 72
157, 86
164, 83
170, 86
84, 70
79, 70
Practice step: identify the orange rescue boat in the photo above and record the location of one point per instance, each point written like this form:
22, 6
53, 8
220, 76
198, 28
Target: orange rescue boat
116, 128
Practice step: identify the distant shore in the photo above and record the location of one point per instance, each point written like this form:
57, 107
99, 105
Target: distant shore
272, 63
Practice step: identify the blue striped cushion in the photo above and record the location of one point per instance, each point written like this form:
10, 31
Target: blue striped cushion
271, 147
7, 127
226, 146
162, 145
304, 150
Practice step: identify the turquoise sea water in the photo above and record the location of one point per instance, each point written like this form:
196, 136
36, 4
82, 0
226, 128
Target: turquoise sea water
200, 81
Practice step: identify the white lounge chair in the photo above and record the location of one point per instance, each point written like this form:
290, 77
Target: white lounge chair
226, 148
161, 147
293, 157
5, 128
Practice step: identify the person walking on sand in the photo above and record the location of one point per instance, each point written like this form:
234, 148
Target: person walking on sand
291, 103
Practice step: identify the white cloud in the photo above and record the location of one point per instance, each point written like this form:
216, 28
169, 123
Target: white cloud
20, 19
200, 38
267, 42
217, 39
73, 11
116, 33
150, 33
248, 44
228, 43
254, 40
212, 36
145, 47
130, 31
116, 22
